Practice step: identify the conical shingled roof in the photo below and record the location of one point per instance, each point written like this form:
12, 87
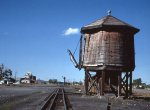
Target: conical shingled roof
108, 21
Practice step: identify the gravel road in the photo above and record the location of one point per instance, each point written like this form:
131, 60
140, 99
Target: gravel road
23, 98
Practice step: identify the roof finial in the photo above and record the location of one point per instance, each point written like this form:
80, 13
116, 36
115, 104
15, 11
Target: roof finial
109, 12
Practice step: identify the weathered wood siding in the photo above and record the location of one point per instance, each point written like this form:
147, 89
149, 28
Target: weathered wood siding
109, 48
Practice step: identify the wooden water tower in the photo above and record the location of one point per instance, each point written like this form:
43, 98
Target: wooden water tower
107, 48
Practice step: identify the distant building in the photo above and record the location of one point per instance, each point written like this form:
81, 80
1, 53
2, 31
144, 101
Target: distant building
7, 81
28, 78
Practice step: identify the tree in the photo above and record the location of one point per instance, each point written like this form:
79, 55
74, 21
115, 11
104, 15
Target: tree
8, 73
54, 81
1, 71
137, 82
5, 73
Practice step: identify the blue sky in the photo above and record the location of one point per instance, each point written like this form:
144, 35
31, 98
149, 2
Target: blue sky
32, 34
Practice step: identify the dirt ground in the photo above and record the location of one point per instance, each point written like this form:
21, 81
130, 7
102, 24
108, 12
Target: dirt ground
31, 97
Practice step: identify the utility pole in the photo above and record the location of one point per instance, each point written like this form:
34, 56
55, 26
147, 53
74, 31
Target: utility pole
15, 75
64, 79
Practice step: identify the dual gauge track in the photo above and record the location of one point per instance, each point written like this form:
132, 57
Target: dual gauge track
57, 100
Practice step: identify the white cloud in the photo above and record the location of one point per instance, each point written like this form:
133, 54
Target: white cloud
71, 31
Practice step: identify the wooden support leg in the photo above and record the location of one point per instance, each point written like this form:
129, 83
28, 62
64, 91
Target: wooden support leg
100, 88
130, 90
98, 74
102, 80
119, 84
127, 91
86, 82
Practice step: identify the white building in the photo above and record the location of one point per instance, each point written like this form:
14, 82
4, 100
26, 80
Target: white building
28, 78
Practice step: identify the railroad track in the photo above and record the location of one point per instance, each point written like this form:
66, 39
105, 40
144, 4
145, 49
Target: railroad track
57, 100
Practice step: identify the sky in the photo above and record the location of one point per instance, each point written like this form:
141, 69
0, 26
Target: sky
35, 34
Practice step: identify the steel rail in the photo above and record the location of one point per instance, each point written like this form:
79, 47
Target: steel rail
64, 100
52, 100
45, 105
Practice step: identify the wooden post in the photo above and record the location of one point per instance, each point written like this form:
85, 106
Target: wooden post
102, 79
80, 53
98, 75
100, 83
86, 82
126, 92
119, 83
130, 82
